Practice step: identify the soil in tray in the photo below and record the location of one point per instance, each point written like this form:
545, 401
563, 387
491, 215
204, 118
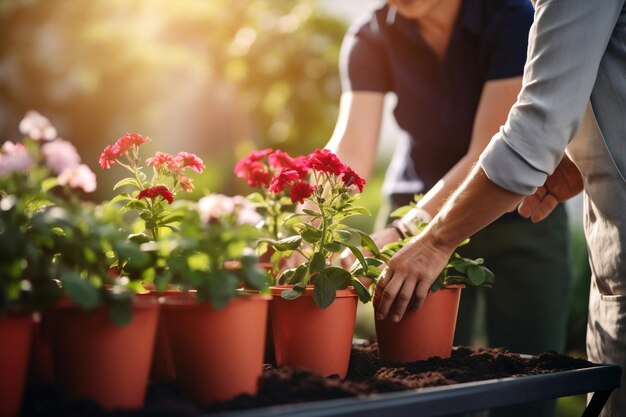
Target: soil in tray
367, 375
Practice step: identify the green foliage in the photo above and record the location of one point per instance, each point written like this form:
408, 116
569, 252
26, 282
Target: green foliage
212, 254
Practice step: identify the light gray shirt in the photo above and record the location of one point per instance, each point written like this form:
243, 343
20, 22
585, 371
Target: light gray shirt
576, 54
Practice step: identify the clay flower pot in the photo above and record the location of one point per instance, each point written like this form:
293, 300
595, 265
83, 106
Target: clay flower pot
424, 333
96, 359
162, 368
218, 354
15, 340
307, 336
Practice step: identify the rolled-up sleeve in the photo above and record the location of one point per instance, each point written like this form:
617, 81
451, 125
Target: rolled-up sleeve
567, 41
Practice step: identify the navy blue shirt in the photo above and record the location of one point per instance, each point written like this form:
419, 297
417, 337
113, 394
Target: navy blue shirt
437, 97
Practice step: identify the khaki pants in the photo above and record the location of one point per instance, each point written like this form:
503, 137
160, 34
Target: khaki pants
605, 231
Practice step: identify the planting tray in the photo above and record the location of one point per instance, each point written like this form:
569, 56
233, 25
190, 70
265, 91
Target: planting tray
464, 397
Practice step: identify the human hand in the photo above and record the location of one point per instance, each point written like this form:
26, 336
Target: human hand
408, 277
564, 183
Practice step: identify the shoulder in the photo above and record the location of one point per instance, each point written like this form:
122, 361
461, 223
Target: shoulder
372, 24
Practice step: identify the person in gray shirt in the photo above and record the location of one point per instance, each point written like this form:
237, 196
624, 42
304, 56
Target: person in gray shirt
565, 134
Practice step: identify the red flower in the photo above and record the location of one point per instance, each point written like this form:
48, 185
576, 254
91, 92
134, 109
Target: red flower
280, 159
325, 161
301, 190
189, 160
253, 171
350, 177
284, 178
258, 155
108, 157
124, 143
162, 160
302, 164
156, 191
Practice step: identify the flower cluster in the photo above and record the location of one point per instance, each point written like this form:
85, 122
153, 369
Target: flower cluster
328, 198
169, 176
42, 150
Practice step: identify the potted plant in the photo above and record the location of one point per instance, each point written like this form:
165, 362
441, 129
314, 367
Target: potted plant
428, 331
151, 196
316, 292
34, 174
217, 334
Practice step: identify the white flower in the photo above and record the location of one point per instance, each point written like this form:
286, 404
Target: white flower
60, 155
37, 126
79, 176
248, 216
215, 206
15, 158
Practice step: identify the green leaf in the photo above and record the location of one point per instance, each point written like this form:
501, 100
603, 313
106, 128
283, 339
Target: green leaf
256, 198
358, 255
81, 291
368, 243
293, 293
49, 183
332, 247
222, 287
121, 197
327, 282
311, 234
254, 277
135, 204
459, 264
139, 238
438, 283
312, 213
317, 262
126, 181
401, 211
121, 312
476, 275
362, 291
288, 243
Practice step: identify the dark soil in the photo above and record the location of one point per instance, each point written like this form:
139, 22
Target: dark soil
367, 375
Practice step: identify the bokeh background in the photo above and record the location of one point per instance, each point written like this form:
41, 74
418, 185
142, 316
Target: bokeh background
214, 77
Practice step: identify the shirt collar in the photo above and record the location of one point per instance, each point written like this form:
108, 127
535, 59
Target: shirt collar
471, 18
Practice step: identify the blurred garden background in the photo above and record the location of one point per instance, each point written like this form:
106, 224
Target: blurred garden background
214, 77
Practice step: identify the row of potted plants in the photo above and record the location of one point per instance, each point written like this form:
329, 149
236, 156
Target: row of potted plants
109, 279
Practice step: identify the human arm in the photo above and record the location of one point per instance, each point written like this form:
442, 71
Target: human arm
568, 40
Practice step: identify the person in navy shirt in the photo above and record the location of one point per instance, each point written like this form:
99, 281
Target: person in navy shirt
456, 68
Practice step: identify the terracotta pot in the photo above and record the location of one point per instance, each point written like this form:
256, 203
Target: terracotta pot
424, 333
306, 336
15, 340
96, 359
162, 368
41, 369
218, 354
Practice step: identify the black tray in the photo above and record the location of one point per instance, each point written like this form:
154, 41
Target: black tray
465, 397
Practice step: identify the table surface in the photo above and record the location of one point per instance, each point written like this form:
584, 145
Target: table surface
464, 397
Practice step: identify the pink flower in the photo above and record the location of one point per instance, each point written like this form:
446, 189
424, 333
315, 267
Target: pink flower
129, 140
186, 183
60, 155
156, 191
37, 127
246, 212
162, 160
189, 160
283, 179
350, 177
324, 160
79, 176
213, 207
301, 190
15, 158
108, 157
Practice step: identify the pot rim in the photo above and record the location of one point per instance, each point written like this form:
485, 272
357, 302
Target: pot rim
191, 300
308, 292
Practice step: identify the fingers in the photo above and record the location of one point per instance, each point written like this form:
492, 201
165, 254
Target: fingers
544, 208
402, 299
528, 204
390, 287
421, 292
